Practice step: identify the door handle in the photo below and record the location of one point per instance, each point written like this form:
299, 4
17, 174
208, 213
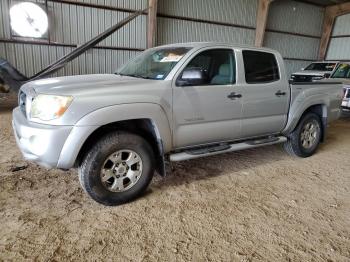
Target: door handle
280, 93
233, 96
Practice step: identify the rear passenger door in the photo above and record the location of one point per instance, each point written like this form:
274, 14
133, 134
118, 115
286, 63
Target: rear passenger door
265, 96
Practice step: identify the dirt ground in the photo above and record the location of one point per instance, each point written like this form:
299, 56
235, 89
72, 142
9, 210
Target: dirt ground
255, 205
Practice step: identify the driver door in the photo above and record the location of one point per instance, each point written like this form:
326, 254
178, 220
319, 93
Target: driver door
209, 110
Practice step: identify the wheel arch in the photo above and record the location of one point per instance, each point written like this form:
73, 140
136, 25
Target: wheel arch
144, 127
147, 119
320, 109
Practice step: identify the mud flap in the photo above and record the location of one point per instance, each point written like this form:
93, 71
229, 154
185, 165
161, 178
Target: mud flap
324, 129
161, 159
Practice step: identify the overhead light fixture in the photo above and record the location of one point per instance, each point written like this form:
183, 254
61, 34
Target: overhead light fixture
28, 20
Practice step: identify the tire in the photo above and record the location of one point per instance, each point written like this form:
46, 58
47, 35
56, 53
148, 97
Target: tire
105, 171
297, 144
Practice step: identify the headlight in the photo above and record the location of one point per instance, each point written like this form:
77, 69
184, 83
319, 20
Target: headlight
49, 107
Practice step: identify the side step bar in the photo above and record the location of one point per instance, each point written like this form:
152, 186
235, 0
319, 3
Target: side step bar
225, 148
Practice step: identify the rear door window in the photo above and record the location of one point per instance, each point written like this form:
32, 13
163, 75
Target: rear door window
260, 67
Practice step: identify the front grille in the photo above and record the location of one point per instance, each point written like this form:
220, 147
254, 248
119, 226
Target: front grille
22, 100
301, 78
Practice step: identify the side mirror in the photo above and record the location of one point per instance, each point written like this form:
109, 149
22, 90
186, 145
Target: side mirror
302, 69
327, 75
191, 77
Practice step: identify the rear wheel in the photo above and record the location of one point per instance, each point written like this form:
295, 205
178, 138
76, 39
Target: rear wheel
305, 139
117, 169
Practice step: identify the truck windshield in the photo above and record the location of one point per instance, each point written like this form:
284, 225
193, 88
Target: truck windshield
343, 71
321, 67
154, 64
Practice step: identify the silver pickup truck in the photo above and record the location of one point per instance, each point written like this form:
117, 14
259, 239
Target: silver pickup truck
170, 103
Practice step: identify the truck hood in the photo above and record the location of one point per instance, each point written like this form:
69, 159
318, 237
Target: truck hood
311, 73
84, 84
93, 92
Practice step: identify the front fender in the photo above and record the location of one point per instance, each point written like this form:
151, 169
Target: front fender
103, 116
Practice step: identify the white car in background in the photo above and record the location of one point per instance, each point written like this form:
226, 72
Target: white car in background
315, 71
342, 73
346, 101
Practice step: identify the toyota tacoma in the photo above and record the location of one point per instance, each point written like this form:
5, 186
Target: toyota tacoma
170, 103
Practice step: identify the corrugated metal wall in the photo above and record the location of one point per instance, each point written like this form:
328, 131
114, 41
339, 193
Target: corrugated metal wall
242, 12
29, 59
339, 46
180, 31
131, 4
296, 17
72, 25
295, 29
225, 20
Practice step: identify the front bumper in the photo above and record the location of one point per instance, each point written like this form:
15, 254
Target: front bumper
38, 142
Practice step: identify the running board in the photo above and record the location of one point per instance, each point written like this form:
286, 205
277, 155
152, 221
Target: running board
225, 148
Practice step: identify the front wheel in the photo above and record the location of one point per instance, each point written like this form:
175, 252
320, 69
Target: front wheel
305, 139
117, 169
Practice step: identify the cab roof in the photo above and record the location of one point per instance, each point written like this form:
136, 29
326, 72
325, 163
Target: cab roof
198, 45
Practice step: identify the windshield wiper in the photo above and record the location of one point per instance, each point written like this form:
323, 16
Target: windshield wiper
144, 77
135, 75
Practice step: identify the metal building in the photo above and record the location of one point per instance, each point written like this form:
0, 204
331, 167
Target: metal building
292, 27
